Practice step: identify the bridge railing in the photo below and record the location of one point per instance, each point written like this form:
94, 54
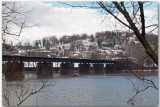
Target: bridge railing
46, 59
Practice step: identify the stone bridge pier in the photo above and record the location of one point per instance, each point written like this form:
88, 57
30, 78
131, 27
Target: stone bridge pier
98, 68
44, 68
3, 68
14, 69
120, 66
67, 69
110, 68
84, 69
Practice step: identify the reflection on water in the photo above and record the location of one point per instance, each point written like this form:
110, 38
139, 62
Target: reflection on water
84, 90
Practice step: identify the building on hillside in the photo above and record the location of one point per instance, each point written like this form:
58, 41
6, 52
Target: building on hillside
28, 48
86, 55
39, 53
8, 50
66, 52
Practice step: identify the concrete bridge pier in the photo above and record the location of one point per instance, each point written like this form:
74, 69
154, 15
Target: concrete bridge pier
84, 69
44, 69
67, 69
110, 68
39, 68
98, 68
14, 69
48, 69
119, 67
3, 68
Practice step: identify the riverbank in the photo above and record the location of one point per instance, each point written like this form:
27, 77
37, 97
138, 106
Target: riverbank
148, 73
131, 74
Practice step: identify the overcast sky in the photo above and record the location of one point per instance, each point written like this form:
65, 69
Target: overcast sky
57, 19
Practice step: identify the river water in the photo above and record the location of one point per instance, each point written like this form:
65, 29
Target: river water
82, 90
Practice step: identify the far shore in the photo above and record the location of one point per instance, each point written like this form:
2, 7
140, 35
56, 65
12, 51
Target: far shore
149, 73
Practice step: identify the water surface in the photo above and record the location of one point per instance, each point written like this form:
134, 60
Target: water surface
87, 90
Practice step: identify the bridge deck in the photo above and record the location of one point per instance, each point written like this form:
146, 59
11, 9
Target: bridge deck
45, 59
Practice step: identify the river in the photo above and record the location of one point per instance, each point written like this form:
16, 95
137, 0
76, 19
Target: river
82, 90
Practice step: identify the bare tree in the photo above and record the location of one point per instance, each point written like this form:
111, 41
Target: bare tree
53, 40
14, 19
72, 47
37, 43
16, 93
137, 26
94, 55
92, 38
84, 36
144, 82
47, 45
133, 19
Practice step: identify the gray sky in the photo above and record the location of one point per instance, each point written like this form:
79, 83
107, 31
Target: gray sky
61, 20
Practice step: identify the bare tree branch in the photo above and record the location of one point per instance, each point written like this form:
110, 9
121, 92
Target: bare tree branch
102, 5
13, 16
142, 18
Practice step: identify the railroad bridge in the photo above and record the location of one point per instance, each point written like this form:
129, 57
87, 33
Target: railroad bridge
13, 66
